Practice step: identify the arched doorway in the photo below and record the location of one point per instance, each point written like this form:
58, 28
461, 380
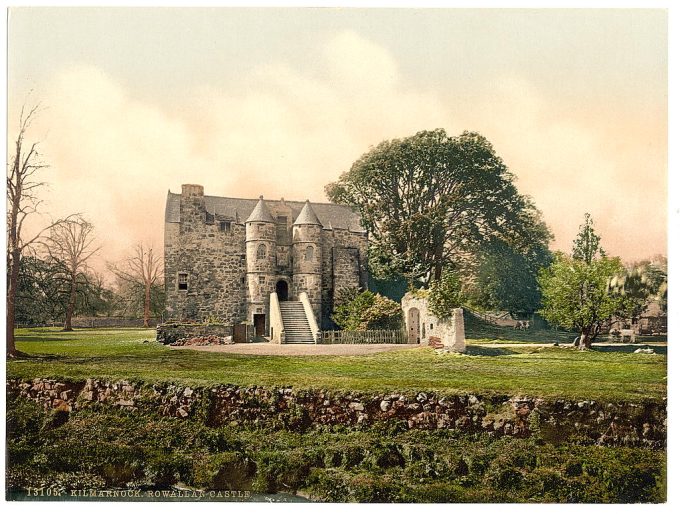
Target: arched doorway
282, 290
413, 325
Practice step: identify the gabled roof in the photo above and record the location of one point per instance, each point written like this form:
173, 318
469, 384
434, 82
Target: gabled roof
342, 217
260, 213
307, 216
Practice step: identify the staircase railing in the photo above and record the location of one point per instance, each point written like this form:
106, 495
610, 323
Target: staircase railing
278, 334
311, 318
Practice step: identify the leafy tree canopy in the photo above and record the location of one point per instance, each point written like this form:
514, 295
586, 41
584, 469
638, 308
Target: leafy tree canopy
587, 243
507, 279
641, 284
44, 290
576, 295
430, 201
577, 290
444, 295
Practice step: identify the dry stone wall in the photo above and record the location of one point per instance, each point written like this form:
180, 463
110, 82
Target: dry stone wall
591, 422
169, 333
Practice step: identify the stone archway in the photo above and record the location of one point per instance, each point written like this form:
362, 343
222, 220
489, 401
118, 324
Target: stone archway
413, 324
282, 290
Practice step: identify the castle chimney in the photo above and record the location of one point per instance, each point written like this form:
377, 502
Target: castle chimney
189, 190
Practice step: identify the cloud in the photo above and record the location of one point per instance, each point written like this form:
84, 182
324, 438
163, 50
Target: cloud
573, 157
286, 132
278, 132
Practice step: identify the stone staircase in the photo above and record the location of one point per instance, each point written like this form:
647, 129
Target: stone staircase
295, 323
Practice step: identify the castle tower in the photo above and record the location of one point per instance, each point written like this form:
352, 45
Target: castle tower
307, 257
260, 265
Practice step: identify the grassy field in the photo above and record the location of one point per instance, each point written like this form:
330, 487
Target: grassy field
545, 372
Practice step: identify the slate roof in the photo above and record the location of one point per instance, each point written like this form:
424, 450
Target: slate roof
307, 216
260, 213
239, 209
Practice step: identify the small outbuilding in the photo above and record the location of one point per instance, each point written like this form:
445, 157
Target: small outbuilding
423, 327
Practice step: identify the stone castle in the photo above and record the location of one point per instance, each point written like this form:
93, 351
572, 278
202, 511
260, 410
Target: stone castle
237, 260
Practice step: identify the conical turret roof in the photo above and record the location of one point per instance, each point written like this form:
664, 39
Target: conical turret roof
260, 213
307, 216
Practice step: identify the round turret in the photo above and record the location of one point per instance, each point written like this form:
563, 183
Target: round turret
260, 264
307, 256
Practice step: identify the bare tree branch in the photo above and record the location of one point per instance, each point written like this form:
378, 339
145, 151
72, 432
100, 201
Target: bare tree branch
142, 268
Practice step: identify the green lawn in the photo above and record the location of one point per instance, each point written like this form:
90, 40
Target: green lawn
546, 372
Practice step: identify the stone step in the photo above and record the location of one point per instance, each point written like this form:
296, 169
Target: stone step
295, 322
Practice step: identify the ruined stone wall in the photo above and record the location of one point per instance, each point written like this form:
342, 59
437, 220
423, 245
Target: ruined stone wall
214, 261
451, 331
620, 424
168, 333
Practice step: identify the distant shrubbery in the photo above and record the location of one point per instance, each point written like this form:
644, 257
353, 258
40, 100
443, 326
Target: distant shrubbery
115, 449
366, 311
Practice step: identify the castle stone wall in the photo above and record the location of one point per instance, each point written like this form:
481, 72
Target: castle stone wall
226, 280
214, 262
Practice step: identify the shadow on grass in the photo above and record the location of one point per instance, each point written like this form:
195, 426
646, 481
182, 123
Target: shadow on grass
59, 337
629, 348
37, 357
487, 352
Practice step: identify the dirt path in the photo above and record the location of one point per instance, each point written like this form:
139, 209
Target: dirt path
301, 349
565, 345
361, 349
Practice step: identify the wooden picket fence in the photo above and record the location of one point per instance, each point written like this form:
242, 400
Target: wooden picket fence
364, 337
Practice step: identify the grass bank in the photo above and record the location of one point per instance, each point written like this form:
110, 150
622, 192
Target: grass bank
541, 372
108, 449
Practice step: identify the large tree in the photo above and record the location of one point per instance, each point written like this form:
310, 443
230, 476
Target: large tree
430, 201
69, 247
23, 185
576, 290
37, 299
138, 275
506, 278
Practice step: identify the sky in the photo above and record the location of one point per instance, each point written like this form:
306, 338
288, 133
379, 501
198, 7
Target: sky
280, 102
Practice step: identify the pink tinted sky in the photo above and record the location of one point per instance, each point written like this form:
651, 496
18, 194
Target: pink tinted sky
281, 102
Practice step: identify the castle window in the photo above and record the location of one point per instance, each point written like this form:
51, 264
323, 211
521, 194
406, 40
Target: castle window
225, 226
309, 253
182, 281
261, 280
209, 218
261, 252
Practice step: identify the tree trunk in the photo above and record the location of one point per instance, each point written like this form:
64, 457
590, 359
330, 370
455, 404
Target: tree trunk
586, 341
147, 304
11, 350
439, 261
71, 306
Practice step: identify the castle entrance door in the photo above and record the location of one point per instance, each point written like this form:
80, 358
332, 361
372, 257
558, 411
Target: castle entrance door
413, 325
258, 321
282, 290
